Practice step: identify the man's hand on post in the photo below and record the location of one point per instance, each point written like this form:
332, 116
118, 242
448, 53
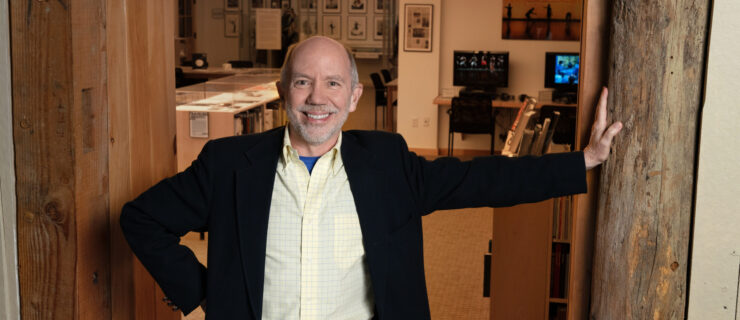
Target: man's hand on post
597, 150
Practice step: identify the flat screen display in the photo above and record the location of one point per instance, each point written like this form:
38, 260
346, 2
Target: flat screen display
481, 69
561, 70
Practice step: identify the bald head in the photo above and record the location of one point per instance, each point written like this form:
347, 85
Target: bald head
317, 43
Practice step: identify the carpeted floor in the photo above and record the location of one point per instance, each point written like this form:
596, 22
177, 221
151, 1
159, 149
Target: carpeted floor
454, 244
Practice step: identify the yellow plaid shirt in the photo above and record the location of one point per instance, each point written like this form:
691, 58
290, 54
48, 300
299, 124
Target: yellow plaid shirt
315, 262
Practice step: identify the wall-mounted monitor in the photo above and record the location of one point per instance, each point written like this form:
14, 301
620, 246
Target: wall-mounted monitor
481, 70
561, 70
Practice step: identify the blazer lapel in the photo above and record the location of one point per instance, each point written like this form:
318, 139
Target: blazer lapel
365, 179
254, 185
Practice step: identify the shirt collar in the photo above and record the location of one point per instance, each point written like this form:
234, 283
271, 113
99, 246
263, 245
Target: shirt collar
290, 154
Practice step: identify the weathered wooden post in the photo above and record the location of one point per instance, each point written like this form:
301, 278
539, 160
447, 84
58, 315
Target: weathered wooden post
657, 53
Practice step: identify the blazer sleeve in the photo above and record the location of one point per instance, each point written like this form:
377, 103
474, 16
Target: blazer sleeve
154, 222
494, 181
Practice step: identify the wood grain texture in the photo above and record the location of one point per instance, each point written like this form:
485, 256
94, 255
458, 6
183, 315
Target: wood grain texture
656, 66
60, 114
142, 120
44, 154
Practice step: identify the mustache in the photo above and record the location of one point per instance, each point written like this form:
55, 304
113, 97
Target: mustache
316, 108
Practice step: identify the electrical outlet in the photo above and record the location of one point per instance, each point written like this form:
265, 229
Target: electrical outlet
415, 122
427, 121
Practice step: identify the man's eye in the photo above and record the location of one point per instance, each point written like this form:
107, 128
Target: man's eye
334, 84
301, 83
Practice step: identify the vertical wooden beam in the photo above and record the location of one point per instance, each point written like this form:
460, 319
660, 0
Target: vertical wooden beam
656, 76
59, 115
142, 91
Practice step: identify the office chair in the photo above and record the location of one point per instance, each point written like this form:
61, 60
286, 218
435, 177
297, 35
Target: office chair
386, 75
241, 63
470, 115
380, 97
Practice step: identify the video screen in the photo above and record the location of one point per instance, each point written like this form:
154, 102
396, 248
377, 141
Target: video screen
481, 69
566, 69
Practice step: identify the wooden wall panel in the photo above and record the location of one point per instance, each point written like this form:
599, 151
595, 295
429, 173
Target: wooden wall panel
645, 204
141, 41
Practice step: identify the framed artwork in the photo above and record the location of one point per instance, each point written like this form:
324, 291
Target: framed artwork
418, 27
379, 6
309, 27
357, 6
232, 5
232, 24
309, 5
332, 27
528, 20
356, 28
379, 29
332, 6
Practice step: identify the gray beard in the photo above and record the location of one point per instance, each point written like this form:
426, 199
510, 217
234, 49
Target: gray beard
304, 130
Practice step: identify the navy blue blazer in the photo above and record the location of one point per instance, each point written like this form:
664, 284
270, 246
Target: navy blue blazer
227, 191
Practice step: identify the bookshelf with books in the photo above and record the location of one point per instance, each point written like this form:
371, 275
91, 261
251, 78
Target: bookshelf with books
532, 254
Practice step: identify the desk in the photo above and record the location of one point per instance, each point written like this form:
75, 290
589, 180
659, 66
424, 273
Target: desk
391, 95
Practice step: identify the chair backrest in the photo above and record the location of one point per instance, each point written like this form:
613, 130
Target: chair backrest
379, 89
471, 115
386, 75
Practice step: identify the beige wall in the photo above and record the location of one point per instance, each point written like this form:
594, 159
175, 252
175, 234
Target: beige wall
9, 302
210, 33
715, 265
464, 25
418, 82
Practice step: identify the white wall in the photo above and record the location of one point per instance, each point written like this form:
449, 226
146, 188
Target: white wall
715, 261
9, 301
463, 25
418, 82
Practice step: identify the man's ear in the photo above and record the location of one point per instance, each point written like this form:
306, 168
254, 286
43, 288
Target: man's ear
356, 94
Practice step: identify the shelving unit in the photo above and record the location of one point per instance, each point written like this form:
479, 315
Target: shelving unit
531, 260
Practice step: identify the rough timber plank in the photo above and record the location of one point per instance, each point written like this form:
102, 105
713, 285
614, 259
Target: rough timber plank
656, 76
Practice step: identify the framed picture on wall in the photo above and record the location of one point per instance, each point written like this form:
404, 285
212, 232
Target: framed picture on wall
379, 28
418, 27
332, 6
332, 27
356, 28
232, 24
232, 5
379, 6
308, 26
357, 6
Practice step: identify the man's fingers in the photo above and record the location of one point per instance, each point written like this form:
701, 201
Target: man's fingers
601, 107
611, 132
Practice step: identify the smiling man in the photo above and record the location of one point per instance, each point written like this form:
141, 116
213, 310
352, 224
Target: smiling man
309, 222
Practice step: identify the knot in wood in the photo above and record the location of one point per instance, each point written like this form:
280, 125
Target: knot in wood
674, 265
51, 210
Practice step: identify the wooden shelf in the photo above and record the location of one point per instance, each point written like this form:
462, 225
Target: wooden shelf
565, 241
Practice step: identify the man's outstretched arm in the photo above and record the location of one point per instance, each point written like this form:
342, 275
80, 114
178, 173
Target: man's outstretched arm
600, 142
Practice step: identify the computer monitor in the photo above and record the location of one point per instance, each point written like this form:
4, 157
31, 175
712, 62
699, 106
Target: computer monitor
561, 71
481, 70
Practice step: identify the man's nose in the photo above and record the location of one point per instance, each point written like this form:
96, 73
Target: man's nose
317, 96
